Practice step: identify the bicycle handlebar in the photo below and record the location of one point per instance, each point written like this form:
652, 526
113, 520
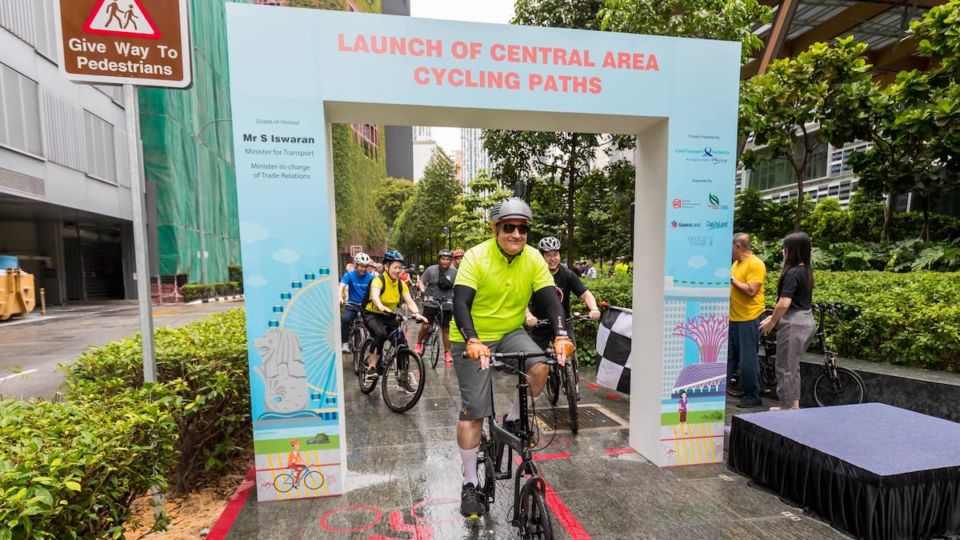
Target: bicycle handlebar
575, 318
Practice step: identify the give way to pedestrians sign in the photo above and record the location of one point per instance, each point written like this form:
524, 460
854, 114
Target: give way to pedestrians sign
139, 42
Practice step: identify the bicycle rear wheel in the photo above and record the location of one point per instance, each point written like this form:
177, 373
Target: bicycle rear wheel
570, 390
534, 517
486, 474
403, 380
366, 385
846, 389
283, 483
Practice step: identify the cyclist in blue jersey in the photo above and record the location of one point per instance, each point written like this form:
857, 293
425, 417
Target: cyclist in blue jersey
353, 289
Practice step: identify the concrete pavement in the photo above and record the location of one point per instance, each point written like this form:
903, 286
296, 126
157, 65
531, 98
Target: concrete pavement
31, 348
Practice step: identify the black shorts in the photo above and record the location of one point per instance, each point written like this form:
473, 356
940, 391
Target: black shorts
432, 312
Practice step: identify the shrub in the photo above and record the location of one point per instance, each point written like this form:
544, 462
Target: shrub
910, 319
207, 362
71, 470
197, 291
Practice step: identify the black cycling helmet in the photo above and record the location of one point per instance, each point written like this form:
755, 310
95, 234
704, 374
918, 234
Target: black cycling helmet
445, 253
510, 208
391, 256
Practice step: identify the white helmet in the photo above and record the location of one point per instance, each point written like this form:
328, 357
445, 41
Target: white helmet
510, 208
549, 243
361, 259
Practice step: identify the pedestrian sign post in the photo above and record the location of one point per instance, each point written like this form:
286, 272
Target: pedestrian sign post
140, 42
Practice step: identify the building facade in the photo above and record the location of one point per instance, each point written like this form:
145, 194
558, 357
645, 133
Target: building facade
65, 203
475, 157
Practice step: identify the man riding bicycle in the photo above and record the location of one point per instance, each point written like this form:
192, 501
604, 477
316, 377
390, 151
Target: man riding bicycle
437, 283
495, 282
386, 292
353, 289
295, 460
567, 282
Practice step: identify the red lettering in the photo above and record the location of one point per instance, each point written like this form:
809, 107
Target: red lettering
497, 52
438, 74
360, 45
456, 78
415, 47
421, 75
638, 62
559, 56
580, 85
551, 84
652, 64
459, 49
534, 81
608, 61
340, 43
595, 85
513, 80
587, 62
623, 60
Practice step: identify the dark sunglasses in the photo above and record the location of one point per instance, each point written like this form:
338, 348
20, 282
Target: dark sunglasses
510, 227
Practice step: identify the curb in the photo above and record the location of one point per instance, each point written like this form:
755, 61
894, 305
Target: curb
216, 299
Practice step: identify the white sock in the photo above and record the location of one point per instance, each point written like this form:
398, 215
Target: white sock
514, 413
469, 458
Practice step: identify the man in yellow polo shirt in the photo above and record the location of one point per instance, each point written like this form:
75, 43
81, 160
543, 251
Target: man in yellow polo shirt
746, 307
495, 282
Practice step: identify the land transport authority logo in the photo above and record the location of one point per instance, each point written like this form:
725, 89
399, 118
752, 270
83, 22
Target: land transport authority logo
706, 154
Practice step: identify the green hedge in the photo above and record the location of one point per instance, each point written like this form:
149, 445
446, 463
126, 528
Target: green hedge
205, 363
197, 291
71, 470
910, 319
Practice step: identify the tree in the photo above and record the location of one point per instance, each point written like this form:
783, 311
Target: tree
423, 218
731, 20
392, 195
916, 137
829, 86
605, 211
470, 221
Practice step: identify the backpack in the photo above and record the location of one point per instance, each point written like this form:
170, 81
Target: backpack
383, 285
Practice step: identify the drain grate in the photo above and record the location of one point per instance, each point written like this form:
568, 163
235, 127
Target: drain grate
592, 416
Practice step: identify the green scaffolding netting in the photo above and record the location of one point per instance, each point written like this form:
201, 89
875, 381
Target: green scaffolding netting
188, 154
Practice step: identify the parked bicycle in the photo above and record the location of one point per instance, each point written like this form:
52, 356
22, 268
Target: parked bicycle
310, 479
433, 342
497, 446
402, 375
356, 336
834, 385
565, 378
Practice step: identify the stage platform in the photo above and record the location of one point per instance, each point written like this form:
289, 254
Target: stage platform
872, 470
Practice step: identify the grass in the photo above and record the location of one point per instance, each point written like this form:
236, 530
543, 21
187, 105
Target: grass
696, 417
282, 446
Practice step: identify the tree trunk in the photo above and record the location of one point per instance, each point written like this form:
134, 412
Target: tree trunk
926, 218
799, 218
571, 191
887, 217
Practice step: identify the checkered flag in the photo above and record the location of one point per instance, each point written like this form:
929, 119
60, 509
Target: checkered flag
614, 338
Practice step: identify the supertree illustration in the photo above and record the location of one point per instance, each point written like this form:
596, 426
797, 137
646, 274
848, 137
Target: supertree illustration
709, 333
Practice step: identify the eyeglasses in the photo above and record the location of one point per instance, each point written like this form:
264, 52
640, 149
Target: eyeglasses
510, 227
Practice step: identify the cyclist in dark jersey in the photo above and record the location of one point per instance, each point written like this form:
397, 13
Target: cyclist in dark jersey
567, 283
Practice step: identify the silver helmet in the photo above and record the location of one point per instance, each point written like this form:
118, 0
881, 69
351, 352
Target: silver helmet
510, 208
549, 243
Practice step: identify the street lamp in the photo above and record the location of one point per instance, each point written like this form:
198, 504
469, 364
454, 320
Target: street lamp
446, 231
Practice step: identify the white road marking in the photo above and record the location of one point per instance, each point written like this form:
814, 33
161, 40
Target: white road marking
15, 375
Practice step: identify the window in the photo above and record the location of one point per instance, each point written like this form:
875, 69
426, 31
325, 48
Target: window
99, 142
19, 112
46, 28
368, 137
840, 158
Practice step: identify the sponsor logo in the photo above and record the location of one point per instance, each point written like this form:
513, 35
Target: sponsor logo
714, 225
714, 203
704, 154
685, 224
679, 204
700, 241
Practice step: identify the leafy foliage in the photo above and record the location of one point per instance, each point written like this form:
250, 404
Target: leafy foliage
604, 205
431, 207
730, 20
356, 178
196, 291
392, 195
71, 470
205, 363
470, 222
827, 85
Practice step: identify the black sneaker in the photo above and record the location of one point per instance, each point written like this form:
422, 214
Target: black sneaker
470, 504
372, 374
749, 402
403, 381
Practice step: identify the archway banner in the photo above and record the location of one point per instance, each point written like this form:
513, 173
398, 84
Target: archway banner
295, 72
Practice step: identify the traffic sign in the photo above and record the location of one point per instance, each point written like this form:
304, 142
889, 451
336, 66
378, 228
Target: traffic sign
140, 42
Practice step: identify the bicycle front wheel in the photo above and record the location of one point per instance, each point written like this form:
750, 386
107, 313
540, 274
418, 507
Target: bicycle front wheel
534, 517
358, 337
431, 349
570, 390
403, 381
366, 384
313, 479
846, 388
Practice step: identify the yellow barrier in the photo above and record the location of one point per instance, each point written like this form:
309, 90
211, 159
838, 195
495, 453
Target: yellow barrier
17, 294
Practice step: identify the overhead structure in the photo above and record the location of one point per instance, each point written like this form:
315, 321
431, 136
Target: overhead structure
881, 24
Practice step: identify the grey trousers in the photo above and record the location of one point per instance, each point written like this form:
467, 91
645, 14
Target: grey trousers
794, 332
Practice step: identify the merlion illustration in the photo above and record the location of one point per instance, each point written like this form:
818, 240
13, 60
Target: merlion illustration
283, 374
